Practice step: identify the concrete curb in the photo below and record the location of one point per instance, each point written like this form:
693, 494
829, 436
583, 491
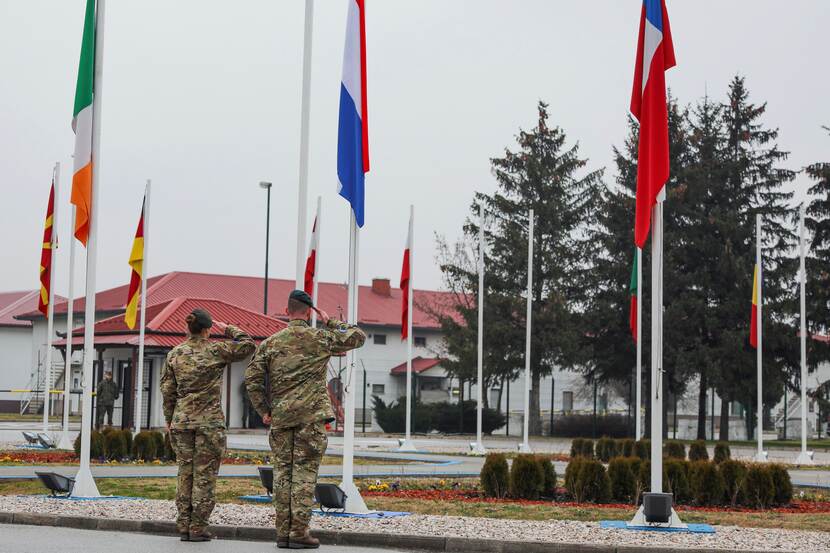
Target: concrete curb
361, 539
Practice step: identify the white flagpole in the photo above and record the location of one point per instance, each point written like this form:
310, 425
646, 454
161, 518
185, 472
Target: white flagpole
316, 245
305, 108
139, 387
804, 457
407, 444
478, 448
525, 446
50, 308
760, 455
354, 502
65, 442
638, 425
84, 483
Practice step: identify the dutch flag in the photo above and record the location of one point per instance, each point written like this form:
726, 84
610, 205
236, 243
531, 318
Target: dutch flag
655, 55
353, 129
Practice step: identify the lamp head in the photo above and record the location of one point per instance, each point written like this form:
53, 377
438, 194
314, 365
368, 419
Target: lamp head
264, 184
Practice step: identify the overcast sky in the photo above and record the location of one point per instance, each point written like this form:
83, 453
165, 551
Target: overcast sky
203, 96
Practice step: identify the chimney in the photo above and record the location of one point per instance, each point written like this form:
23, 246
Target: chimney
381, 287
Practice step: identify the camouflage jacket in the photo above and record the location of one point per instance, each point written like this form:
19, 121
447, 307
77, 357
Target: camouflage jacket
106, 392
295, 360
192, 376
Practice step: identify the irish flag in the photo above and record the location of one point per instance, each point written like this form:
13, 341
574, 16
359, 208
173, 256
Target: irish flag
137, 264
632, 288
46, 256
753, 324
82, 125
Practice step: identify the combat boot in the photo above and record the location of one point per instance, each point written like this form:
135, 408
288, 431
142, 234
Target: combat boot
202, 535
305, 542
282, 542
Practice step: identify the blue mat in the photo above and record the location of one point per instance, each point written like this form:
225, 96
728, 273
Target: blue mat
256, 498
102, 498
31, 446
692, 528
376, 514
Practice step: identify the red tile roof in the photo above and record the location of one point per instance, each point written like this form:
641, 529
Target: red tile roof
18, 303
419, 365
166, 325
246, 292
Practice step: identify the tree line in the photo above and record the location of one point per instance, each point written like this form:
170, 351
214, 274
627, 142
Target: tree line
726, 167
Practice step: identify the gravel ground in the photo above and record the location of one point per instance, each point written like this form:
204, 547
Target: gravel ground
726, 537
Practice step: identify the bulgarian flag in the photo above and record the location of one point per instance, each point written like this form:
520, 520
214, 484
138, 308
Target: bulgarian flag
632, 288
753, 324
46, 256
137, 264
82, 125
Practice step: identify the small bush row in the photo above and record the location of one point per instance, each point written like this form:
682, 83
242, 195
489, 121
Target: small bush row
607, 448
529, 477
112, 444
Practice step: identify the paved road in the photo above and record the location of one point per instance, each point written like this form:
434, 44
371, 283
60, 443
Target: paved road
46, 539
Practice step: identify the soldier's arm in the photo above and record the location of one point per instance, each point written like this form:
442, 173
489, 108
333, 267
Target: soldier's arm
240, 346
343, 337
168, 390
255, 379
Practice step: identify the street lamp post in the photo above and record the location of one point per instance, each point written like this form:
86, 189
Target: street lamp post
267, 187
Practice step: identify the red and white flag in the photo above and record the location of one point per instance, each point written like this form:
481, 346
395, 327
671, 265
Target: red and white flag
406, 284
311, 261
655, 55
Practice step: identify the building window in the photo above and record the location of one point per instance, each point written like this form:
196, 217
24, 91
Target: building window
378, 389
420, 342
567, 401
736, 409
379, 339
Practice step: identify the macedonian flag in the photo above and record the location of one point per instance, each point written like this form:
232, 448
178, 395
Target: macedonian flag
753, 321
137, 265
46, 256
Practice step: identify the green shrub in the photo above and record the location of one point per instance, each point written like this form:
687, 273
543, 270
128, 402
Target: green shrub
96, 445
674, 450
144, 446
677, 479
587, 481
706, 483
526, 477
622, 474
759, 487
158, 439
582, 447
734, 474
782, 484
577, 426
392, 417
722, 452
698, 451
128, 441
495, 476
549, 476
115, 446
626, 447
606, 449
169, 452
642, 449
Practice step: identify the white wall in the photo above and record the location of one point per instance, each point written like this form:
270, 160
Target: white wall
15, 360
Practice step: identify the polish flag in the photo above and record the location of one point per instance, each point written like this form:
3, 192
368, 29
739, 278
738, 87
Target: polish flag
406, 283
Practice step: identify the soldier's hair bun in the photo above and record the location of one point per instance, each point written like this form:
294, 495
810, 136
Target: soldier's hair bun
190, 318
192, 324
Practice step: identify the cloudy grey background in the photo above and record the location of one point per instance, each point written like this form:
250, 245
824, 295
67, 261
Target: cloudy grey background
203, 96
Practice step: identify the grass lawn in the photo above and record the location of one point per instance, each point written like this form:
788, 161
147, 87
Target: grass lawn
812, 444
29, 417
229, 490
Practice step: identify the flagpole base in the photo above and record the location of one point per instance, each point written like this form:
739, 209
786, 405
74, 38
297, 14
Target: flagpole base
639, 520
477, 448
407, 445
761, 457
805, 458
85, 484
524, 447
354, 501
65, 442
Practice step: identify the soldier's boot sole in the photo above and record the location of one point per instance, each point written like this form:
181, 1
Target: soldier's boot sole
282, 544
184, 536
307, 543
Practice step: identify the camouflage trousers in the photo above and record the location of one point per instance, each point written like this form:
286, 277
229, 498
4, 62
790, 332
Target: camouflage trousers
198, 454
297, 455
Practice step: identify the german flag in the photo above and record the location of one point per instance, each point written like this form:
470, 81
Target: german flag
46, 256
753, 324
137, 264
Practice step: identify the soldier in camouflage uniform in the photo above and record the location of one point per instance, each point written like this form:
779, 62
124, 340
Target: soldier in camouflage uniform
106, 392
295, 360
191, 390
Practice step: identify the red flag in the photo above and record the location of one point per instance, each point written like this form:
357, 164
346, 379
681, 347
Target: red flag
311, 263
46, 256
405, 276
655, 55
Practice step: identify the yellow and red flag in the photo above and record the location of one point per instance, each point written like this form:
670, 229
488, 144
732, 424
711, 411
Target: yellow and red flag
46, 256
137, 264
753, 325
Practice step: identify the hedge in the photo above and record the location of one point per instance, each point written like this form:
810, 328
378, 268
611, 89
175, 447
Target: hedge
587, 481
577, 426
706, 483
443, 417
642, 449
495, 476
734, 474
698, 451
677, 479
759, 486
623, 476
722, 452
526, 477
674, 450
144, 446
549, 476
606, 449
582, 447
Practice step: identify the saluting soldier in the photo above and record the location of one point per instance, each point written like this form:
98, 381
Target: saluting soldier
191, 387
295, 360
106, 392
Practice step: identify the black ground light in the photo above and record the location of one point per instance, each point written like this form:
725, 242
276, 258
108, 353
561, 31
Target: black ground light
56, 483
330, 497
657, 507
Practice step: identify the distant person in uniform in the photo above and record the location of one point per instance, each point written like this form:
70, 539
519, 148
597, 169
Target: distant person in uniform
295, 360
191, 391
246, 406
105, 393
